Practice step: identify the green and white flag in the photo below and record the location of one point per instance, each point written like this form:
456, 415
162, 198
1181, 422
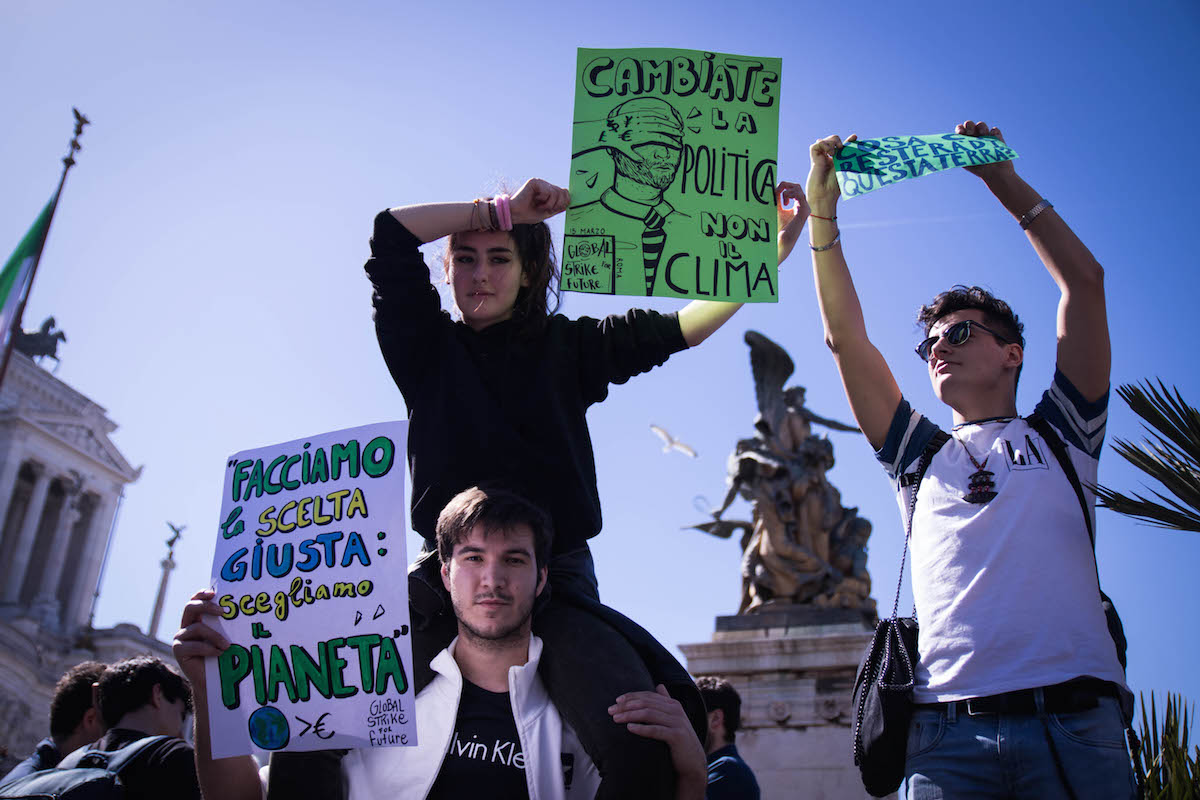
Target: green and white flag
19, 267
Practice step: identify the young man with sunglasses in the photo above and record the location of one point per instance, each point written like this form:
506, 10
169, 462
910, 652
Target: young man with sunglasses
1018, 677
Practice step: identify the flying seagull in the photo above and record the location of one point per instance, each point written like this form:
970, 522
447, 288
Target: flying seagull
671, 443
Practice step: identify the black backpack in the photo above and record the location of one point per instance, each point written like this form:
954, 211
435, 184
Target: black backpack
83, 775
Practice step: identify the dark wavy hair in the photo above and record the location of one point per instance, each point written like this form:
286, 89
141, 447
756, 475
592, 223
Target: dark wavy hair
496, 509
128, 685
542, 297
997, 314
73, 697
719, 693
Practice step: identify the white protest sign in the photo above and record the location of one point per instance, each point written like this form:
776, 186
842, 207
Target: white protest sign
310, 570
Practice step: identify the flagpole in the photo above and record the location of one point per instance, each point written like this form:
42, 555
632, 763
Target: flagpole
68, 162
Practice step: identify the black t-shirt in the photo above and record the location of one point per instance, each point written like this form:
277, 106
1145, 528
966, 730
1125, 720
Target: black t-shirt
168, 769
485, 758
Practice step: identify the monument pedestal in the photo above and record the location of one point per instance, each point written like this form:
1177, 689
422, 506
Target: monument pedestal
794, 668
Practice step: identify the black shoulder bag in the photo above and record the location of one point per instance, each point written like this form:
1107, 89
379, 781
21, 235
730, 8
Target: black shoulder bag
884, 685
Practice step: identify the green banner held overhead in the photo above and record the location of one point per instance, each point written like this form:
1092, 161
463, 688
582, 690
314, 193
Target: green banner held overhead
870, 164
673, 175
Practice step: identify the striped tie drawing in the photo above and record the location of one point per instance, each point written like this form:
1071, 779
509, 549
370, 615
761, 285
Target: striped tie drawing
653, 241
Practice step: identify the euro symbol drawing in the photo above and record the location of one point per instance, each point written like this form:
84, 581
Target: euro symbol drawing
228, 532
317, 727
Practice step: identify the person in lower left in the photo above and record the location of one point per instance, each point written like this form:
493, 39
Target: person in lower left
74, 720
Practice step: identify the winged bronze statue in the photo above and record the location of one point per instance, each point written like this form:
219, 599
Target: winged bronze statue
801, 546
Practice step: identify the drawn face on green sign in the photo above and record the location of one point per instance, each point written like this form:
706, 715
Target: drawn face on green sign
651, 131
656, 169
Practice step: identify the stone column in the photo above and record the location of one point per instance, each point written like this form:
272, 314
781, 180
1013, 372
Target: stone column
8, 479
15, 575
45, 600
167, 565
76, 611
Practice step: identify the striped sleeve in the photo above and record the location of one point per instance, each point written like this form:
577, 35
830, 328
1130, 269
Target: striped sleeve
1081, 423
909, 433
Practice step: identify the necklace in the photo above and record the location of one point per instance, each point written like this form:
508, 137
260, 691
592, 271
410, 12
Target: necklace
980, 487
983, 421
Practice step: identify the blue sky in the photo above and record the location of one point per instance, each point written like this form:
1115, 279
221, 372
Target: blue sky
206, 258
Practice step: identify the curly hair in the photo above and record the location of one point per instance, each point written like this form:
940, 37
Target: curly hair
997, 314
542, 297
719, 693
73, 697
128, 685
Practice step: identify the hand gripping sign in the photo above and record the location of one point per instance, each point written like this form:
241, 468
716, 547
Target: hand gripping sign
310, 570
673, 175
869, 164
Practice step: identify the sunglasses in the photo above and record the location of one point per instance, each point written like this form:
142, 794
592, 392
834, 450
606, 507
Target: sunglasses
956, 335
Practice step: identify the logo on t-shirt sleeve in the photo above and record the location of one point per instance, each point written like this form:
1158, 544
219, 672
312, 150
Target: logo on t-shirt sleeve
1029, 452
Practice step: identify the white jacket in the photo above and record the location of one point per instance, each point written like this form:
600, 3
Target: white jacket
409, 772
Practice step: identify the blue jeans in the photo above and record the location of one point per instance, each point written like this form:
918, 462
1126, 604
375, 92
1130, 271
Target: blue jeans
952, 754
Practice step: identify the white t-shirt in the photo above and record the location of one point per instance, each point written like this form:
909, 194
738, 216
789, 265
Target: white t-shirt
1005, 591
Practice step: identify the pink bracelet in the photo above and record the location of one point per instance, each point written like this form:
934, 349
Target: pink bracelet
504, 212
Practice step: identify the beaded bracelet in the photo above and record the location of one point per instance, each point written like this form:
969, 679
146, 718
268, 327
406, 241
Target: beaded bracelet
479, 220
825, 247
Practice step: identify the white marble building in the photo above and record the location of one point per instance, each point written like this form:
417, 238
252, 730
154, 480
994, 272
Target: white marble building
61, 482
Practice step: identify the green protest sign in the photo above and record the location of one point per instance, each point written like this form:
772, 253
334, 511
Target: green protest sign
673, 175
869, 164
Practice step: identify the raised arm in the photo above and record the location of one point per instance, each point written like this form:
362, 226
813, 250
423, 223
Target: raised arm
230, 778
699, 319
1084, 352
866, 378
535, 201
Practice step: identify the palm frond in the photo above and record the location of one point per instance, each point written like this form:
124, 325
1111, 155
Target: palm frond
1163, 465
1148, 511
1171, 457
1168, 769
1168, 414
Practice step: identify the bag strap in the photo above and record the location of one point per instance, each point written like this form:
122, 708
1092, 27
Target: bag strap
112, 760
1055, 443
121, 758
914, 478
